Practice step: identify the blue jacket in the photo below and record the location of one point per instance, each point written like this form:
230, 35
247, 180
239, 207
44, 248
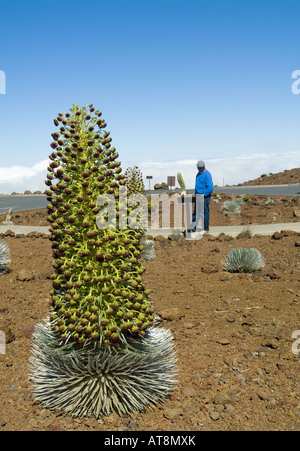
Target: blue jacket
204, 183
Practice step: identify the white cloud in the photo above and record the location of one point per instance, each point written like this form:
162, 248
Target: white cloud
21, 178
230, 170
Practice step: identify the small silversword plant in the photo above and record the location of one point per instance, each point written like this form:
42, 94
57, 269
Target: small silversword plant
243, 260
4, 257
232, 206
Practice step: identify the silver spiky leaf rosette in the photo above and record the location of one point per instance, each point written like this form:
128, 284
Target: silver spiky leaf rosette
4, 257
148, 252
83, 382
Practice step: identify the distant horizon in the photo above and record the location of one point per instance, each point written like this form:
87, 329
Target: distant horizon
225, 171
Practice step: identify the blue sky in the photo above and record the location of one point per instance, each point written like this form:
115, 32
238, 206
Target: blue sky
175, 79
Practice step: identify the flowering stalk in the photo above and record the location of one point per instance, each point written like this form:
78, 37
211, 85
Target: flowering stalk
181, 183
94, 302
99, 351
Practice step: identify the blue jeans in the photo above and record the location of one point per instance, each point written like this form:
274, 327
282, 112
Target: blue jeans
206, 212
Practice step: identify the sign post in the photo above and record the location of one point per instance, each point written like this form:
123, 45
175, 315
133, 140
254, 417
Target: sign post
171, 182
149, 177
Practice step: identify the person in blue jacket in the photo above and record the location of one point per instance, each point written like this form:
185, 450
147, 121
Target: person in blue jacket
204, 185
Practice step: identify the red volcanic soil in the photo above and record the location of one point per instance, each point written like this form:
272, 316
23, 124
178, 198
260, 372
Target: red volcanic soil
238, 369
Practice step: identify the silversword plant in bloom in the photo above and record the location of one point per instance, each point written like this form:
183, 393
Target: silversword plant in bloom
135, 186
134, 180
243, 260
4, 257
101, 320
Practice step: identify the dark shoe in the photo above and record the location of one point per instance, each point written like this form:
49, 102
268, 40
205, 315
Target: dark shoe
191, 230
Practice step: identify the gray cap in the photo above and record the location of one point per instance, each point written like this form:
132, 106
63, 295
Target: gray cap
200, 164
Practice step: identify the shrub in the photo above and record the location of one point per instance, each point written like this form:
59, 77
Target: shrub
243, 260
270, 201
232, 206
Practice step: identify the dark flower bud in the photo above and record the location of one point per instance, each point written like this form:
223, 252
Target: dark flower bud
99, 257
58, 173
95, 335
54, 165
81, 340
107, 333
93, 318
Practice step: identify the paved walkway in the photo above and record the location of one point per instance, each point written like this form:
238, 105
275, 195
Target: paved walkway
263, 229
